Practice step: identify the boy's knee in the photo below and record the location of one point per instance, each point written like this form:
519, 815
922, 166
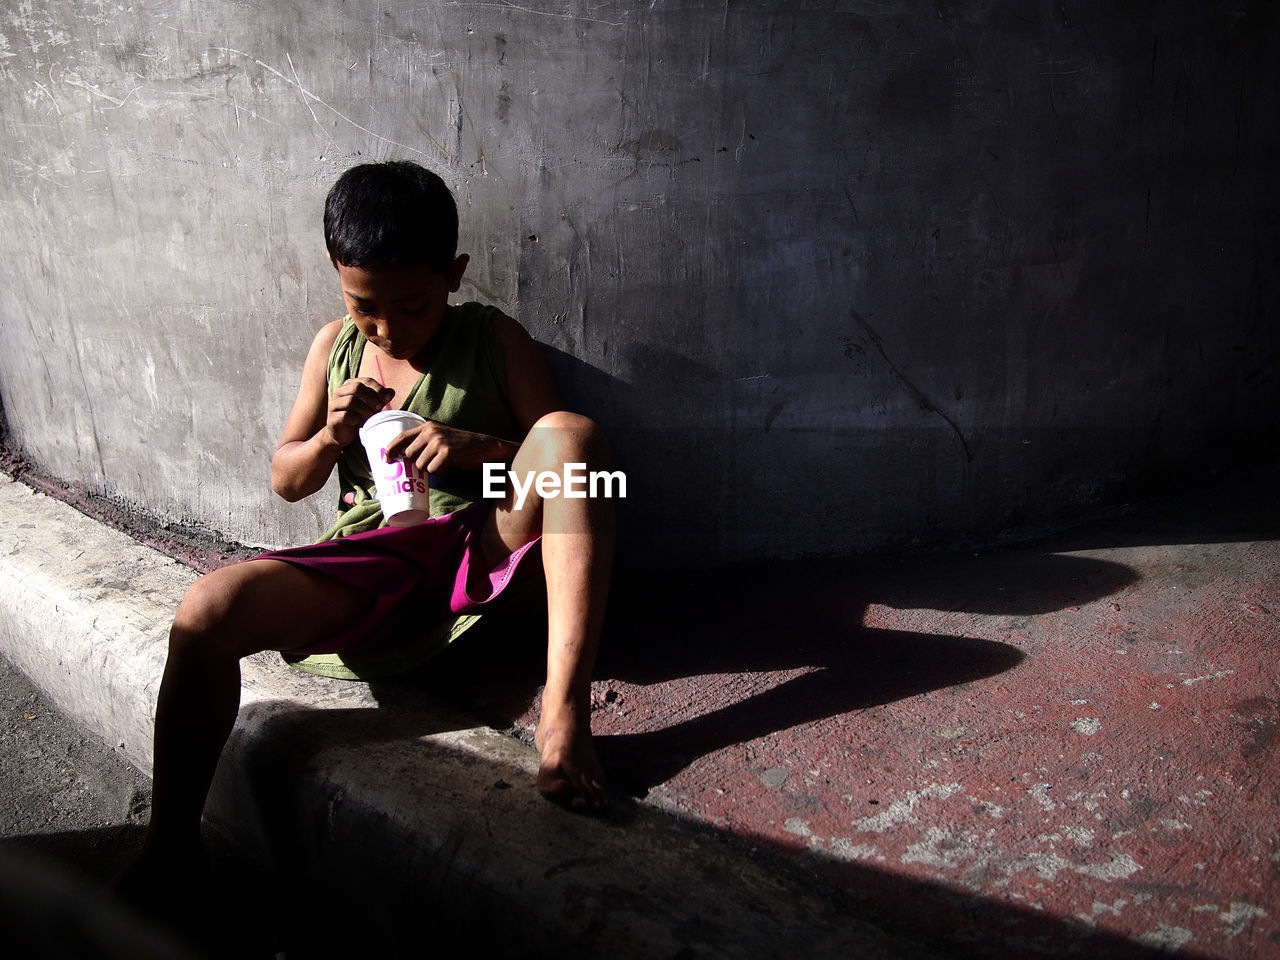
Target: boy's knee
205, 608
563, 437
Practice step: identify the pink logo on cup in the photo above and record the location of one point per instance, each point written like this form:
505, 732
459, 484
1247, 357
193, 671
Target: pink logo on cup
403, 490
403, 474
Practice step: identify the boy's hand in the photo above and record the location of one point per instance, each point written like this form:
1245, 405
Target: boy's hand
351, 405
433, 448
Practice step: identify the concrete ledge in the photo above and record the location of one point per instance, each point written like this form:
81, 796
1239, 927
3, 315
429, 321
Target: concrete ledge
396, 822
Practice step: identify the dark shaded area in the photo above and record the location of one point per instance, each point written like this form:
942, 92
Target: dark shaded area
781, 616
73, 813
774, 617
876, 667
93, 853
977, 927
806, 614
53, 892
49, 911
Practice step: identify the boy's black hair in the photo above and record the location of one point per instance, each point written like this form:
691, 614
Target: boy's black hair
392, 214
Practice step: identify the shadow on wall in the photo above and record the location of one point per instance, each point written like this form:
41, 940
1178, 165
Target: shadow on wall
934, 481
675, 462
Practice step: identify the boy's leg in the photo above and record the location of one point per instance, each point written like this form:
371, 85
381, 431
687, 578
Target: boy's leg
229, 614
577, 556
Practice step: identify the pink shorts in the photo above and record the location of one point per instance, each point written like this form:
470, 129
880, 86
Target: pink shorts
416, 575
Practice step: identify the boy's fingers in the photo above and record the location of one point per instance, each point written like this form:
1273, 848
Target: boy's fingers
360, 402
355, 392
367, 392
398, 447
375, 394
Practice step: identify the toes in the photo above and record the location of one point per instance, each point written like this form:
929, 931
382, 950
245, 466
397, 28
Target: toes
569, 773
590, 799
581, 795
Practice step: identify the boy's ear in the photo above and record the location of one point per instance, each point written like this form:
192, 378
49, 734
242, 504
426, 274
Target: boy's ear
456, 270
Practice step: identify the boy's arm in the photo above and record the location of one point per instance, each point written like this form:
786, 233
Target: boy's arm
530, 390
318, 427
531, 395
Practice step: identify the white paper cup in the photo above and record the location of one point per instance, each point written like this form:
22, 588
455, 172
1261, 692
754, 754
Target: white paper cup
403, 490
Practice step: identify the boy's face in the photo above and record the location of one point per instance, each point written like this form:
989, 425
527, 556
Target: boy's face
399, 309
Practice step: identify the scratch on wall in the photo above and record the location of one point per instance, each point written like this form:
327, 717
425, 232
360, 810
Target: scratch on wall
573, 17
72, 79
309, 97
917, 394
88, 405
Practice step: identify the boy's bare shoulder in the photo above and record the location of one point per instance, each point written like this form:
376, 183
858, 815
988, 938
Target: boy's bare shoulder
326, 336
507, 329
330, 330
531, 390
518, 346
318, 353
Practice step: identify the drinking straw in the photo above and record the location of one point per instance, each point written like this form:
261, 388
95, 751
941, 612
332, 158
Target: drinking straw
381, 379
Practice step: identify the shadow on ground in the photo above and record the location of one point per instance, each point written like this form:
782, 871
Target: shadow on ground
890, 901
54, 903
803, 621
804, 616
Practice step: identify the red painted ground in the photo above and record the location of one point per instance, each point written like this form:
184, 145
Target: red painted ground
1067, 749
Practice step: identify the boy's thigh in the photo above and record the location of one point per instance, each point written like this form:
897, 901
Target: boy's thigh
267, 604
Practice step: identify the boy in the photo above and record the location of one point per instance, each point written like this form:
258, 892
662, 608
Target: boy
487, 395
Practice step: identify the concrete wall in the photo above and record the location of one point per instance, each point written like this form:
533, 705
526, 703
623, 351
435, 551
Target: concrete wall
836, 275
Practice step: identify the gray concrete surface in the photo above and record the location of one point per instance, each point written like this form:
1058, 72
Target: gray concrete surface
411, 817
834, 275
66, 794
73, 810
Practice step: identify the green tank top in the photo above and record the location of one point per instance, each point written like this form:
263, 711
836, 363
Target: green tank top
465, 387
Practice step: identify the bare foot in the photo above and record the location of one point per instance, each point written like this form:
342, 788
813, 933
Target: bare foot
569, 773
